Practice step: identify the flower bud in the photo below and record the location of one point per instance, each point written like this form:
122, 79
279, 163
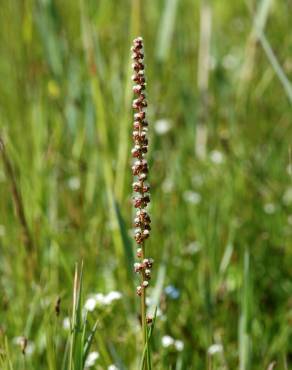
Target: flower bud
139, 290
139, 116
148, 274
149, 320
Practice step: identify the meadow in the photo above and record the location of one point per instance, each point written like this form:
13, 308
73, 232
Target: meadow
219, 92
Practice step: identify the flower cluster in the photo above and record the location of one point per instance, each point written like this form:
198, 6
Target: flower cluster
140, 167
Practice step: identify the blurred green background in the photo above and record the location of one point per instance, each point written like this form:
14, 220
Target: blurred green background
220, 156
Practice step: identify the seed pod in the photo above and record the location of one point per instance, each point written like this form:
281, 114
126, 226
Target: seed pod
146, 234
138, 237
139, 116
138, 43
145, 188
148, 274
139, 290
137, 55
142, 177
137, 66
136, 153
149, 320
146, 199
145, 284
136, 186
138, 88
136, 135
138, 267
148, 262
136, 125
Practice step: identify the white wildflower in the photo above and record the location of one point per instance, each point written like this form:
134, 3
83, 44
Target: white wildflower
179, 345
74, 183
167, 341
26, 345
91, 359
112, 296
66, 323
216, 157
90, 304
193, 247
215, 348
269, 208
30, 348
162, 126
112, 367
102, 300
192, 197
99, 298
148, 301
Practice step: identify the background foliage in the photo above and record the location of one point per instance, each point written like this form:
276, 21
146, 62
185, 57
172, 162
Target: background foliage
222, 212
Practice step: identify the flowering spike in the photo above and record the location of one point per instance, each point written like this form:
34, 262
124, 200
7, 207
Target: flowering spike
140, 171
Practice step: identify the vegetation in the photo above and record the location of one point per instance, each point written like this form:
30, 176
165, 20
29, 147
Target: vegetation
219, 96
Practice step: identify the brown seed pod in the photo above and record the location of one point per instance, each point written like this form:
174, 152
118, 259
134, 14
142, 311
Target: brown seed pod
139, 116
149, 320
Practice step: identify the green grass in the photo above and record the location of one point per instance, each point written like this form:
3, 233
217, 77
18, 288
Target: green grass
65, 118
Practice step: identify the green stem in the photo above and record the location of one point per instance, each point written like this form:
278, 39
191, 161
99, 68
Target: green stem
143, 319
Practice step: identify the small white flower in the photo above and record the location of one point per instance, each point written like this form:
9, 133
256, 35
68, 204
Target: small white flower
112, 367
17, 340
216, 157
162, 126
99, 297
193, 247
74, 183
30, 348
66, 323
269, 208
107, 299
192, 197
27, 345
167, 341
148, 301
179, 345
90, 304
215, 348
91, 359
111, 297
